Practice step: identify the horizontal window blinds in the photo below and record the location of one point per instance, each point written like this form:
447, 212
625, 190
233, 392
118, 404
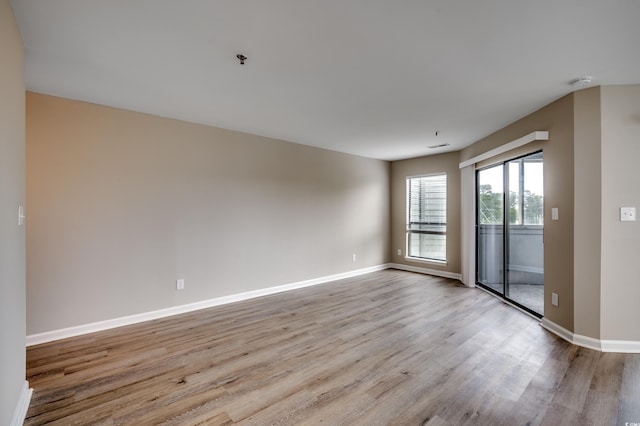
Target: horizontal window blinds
427, 217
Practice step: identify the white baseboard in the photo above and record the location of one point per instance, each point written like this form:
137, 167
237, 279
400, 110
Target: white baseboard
49, 336
587, 342
557, 330
444, 274
22, 406
621, 346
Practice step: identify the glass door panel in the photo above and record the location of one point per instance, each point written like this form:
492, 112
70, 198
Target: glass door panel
510, 251
525, 250
491, 227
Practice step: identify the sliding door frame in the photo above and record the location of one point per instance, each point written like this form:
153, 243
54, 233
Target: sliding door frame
505, 228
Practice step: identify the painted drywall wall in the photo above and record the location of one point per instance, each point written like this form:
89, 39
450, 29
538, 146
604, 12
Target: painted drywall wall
587, 218
122, 204
12, 236
620, 287
400, 170
557, 118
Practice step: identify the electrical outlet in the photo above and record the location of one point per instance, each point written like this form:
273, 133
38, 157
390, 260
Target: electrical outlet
554, 299
627, 214
399, 252
354, 257
180, 284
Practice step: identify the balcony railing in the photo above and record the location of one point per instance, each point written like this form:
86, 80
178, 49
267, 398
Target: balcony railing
525, 254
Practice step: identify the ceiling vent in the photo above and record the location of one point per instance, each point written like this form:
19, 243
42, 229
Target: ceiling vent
442, 145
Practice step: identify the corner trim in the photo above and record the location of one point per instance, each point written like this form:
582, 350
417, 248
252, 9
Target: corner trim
620, 346
49, 336
588, 342
409, 268
22, 406
569, 336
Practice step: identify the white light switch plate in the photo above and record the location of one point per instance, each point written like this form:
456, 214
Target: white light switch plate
21, 215
627, 214
554, 213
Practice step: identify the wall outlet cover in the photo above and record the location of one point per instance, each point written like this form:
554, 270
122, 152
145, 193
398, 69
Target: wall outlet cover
627, 214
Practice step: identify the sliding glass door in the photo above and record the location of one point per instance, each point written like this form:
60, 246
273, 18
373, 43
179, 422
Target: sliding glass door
510, 201
491, 228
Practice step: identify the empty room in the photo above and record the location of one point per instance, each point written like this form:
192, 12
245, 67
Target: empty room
304, 213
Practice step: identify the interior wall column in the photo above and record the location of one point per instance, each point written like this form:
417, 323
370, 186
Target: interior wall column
467, 218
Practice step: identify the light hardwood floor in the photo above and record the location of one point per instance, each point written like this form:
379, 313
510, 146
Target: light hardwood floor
388, 348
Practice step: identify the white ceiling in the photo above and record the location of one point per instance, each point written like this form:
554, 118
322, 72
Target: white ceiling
374, 78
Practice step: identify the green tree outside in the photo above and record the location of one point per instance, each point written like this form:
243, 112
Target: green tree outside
492, 207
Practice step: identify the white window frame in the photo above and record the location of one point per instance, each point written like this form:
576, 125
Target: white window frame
409, 228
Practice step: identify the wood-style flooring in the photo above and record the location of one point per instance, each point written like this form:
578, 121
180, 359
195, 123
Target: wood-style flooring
387, 348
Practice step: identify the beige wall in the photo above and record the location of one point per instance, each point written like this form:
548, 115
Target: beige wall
587, 218
590, 172
400, 170
557, 118
620, 289
121, 204
12, 241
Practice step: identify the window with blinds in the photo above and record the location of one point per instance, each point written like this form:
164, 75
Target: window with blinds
427, 217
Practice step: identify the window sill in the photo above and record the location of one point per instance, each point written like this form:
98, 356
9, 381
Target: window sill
426, 261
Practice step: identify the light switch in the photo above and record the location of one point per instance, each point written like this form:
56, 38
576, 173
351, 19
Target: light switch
627, 214
554, 213
21, 215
